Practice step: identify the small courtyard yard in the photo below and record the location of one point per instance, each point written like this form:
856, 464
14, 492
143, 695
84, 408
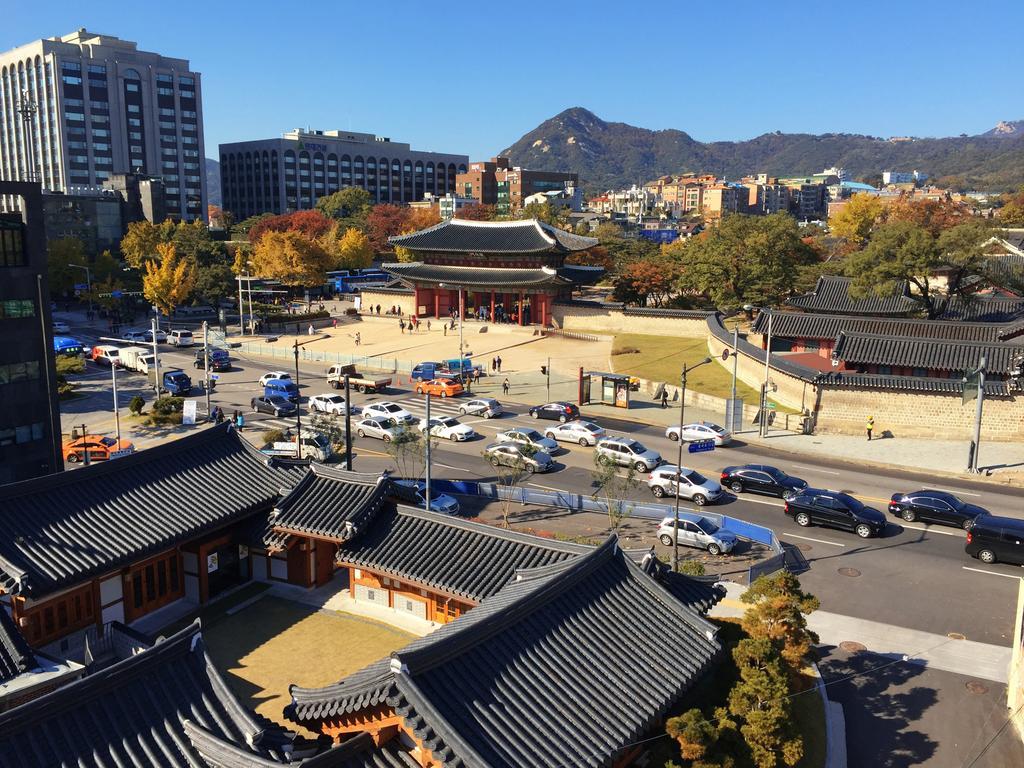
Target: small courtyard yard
272, 643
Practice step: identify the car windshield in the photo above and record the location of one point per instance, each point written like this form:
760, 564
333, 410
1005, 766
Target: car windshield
334, 399
276, 400
391, 408
448, 423
707, 526
109, 442
590, 427
529, 434
850, 502
636, 447
775, 474
715, 427
696, 478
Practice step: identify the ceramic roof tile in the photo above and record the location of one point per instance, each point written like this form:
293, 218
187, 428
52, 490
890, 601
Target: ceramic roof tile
462, 236
832, 294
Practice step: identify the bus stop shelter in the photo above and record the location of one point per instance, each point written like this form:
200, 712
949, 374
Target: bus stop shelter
601, 387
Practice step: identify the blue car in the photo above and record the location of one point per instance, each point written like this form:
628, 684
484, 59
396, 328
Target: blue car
65, 345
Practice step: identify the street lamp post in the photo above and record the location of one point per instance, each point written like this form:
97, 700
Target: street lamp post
763, 426
88, 281
679, 461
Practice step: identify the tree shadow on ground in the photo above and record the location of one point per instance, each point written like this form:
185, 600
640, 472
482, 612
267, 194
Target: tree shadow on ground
881, 706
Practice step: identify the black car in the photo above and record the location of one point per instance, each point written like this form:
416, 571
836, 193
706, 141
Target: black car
562, 412
935, 507
834, 509
275, 405
219, 360
760, 478
996, 539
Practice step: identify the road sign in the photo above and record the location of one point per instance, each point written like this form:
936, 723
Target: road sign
701, 446
214, 376
115, 294
772, 406
188, 414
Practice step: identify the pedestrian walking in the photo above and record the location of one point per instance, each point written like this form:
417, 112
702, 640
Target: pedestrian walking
476, 375
334, 322
504, 387
498, 361
312, 330
494, 364
358, 338
871, 426
428, 325
664, 397
401, 325
378, 310
445, 329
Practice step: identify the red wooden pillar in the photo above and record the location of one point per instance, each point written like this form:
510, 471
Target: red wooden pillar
416, 300
542, 308
492, 306
437, 303
522, 301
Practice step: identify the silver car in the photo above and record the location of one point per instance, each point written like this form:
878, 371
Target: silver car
701, 430
481, 406
582, 432
670, 480
527, 436
330, 403
390, 410
627, 452
697, 531
511, 455
414, 491
380, 427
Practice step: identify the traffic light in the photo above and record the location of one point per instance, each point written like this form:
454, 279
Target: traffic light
544, 370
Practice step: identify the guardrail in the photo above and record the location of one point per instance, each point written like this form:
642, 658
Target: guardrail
575, 335
647, 510
371, 362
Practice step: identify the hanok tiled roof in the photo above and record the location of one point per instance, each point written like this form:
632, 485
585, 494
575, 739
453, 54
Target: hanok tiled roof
832, 294
131, 715
807, 325
462, 236
62, 529
477, 277
459, 557
699, 593
982, 309
565, 666
932, 354
16, 655
329, 504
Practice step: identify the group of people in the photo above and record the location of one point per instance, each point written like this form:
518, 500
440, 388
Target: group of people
237, 418
413, 324
496, 364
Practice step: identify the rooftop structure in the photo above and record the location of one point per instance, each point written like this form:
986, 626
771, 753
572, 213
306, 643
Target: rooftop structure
832, 295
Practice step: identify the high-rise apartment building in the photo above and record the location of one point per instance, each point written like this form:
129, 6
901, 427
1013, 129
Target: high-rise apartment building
291, 173
30, 437
77, 109
495, 182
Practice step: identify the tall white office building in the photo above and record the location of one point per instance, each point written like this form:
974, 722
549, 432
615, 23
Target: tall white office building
76, 109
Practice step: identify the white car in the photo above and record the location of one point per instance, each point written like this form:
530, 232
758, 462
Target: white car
482, 406
670, 480
582, 432
696, 531
146, 335
528, 436
271, 375
701, 430
389, 410
448, 428
330, 403
380, 427
59, 326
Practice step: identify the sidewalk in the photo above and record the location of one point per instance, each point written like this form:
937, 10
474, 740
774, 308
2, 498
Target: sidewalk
963, 657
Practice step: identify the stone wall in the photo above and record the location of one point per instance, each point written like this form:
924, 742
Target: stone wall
387, 299
789, 390
572, 317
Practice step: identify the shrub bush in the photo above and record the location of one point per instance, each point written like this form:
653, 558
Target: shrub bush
136, 404
305, 317
272, 436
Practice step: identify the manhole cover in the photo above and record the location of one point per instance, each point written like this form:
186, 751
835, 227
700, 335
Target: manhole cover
849, 572
973, 686
956, 636
852, 647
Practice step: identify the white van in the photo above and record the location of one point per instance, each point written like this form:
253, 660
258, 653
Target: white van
180, 338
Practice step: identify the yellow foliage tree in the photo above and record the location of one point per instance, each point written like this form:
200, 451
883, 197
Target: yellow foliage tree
292, 258
140, 244
857, 218
169, 280
348, 250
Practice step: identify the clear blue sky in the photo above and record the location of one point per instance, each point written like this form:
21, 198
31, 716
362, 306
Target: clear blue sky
473, 77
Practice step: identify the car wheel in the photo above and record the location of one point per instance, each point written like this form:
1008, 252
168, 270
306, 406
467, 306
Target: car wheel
673, 436
802, 518
73, 458
666, 540
494, 461
488, 415
908, 515
444, 394
700, 499
462, 411
534, 415
602, 459
658, 491
255, 409
967, 524
864, 531
561, 419
387, 438
419, 390
453, 438
360, 433
640, 467
362, 388
736, 486
714, 549
530, 469
987, 556
583, 442
336, 385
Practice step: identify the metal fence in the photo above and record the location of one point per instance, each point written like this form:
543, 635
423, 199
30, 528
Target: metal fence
649, 511
365, 362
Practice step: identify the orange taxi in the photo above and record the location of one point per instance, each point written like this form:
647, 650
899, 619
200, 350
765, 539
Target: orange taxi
98, 447
440, 388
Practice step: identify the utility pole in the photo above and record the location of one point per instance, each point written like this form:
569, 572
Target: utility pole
462, 317
426, 436
972, 459
763, 426
117, 415
156, 358
547, 372
88, 281
679, 461
348, 425
298, 410
27, 108
241, 307
85, 448
206, 367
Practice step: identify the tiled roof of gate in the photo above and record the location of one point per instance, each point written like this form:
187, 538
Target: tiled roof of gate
477, 276
15, 653
463, 236
328, 503
806, 325
832, 294
564, 666
933, 354
983, 309
131, 714
62, 529
471, 560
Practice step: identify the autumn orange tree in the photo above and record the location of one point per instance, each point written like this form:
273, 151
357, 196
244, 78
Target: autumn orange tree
384, 221
291, 257
311, 224
653, 282
936, 216
476, 212
169, 279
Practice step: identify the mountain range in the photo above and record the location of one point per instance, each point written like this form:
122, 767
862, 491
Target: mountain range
611, 155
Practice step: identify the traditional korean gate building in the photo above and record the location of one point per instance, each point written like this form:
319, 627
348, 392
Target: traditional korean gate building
504, 270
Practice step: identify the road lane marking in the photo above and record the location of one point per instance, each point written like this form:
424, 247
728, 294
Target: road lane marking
929, 529
808, 538
816, 469
780, 504
990, 573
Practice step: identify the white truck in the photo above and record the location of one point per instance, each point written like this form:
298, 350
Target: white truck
138, 359
315, 446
